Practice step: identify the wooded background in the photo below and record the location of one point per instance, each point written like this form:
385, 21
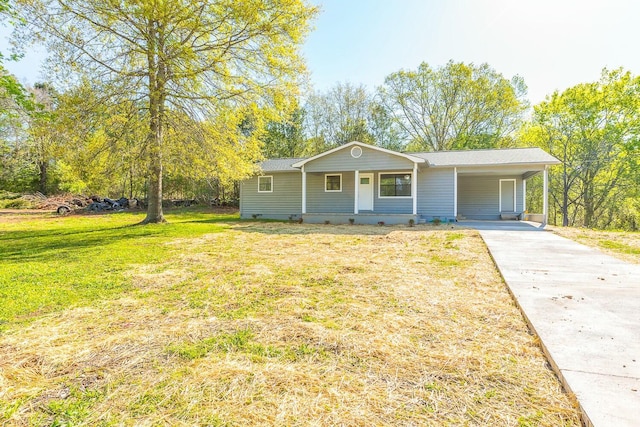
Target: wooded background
182, 99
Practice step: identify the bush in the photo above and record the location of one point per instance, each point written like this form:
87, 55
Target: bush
7, 195
16, 204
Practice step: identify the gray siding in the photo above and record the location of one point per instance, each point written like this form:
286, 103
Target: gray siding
285, 200
479, 196
320, 201
435, 192
370, 160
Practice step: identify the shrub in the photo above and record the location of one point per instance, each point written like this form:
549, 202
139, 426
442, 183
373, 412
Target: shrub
16, 204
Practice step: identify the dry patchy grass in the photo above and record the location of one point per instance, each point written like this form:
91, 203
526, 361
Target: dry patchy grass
621, 244
278, 324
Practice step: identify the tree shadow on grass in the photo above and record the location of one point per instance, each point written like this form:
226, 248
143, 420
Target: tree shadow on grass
37, 245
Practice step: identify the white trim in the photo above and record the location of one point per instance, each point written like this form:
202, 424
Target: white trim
356, 149
356, 190
325, 183
271, 186
362, 145
395, 173
304, 191
414, 188
515, 201
524, 195
455, 192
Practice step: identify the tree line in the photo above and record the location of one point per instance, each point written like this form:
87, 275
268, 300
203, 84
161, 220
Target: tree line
149, 98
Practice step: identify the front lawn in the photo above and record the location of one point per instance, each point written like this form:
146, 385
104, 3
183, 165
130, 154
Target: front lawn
210, 320
621, 244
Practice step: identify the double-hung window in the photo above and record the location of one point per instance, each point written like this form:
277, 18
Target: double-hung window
265, 184
333, 182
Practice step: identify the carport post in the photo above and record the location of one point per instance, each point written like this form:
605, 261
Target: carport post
455, 192
414, 188
524, 194
545, 195
304, 191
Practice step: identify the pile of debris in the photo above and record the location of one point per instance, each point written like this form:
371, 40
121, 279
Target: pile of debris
97, 204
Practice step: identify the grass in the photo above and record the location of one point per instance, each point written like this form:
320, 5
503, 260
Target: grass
214, 321
621, 244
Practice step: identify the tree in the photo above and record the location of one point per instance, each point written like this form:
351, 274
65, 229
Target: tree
457, 106
285, 138
194, 58
100, 152
594, 129
337, 117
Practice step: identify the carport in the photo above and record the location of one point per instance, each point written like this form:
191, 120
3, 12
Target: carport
492, 184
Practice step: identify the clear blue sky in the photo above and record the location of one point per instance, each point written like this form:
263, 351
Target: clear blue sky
552, 44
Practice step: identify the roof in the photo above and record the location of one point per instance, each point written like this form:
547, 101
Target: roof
410, 157
506, 156
280, 165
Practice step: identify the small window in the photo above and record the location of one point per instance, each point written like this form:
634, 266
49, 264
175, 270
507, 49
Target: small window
333, 182
265, 184
395, 185
364, 181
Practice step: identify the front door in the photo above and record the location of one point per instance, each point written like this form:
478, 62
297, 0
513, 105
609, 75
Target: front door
507, 195
365, 192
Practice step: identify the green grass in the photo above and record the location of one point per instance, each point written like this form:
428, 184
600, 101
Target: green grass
210, 320
620, 247
48, 263
622, 244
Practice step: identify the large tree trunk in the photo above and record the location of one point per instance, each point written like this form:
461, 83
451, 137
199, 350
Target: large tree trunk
154, 209
156, 112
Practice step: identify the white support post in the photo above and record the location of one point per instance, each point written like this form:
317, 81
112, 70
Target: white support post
545, 196
355, 201
524, 195
414, 188
455, 193
304, 191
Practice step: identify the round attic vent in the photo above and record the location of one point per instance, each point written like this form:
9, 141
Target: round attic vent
356, 152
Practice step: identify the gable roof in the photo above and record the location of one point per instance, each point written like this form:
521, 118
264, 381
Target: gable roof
491, 157
410, 157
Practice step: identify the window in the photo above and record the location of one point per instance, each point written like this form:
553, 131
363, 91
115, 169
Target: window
333, 182
395, 185
265, 184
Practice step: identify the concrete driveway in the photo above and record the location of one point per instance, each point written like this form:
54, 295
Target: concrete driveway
585, 307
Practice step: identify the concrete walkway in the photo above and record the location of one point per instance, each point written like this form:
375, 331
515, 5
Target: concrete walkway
585, 307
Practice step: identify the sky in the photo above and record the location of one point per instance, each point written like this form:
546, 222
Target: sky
552, 44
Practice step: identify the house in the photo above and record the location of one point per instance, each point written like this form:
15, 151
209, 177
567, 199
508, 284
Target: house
368, 184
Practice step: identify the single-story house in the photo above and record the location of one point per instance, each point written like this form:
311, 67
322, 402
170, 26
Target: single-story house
365, 184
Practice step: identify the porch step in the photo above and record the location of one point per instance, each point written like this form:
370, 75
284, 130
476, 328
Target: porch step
509, 216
